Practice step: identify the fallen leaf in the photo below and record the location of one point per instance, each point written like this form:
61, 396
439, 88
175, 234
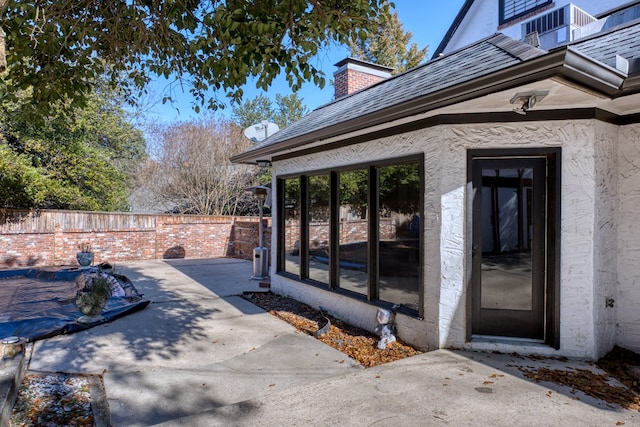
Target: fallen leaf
356, 343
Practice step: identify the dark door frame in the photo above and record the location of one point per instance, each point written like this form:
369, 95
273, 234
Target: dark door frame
552, 273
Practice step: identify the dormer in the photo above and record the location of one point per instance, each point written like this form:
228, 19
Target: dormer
478, 20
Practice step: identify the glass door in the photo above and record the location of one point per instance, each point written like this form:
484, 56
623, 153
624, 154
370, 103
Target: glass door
509, 255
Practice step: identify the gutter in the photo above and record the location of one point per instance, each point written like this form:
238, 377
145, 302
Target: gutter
632, 83
564, 62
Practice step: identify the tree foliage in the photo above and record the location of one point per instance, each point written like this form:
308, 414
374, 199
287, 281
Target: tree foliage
78, 160
191, 172
252, 111
287, 109
60, 47
388, 45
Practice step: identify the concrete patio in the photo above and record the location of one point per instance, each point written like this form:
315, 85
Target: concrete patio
201, 355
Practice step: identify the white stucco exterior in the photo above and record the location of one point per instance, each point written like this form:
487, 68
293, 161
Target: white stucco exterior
628, 242
599, 232
482, 20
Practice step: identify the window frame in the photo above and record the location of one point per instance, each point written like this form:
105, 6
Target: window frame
372, 227
536, 4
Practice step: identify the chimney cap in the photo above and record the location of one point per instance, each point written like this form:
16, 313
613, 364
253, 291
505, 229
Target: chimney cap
350, 60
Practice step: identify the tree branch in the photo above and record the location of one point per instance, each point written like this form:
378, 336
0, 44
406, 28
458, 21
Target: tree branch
3, 52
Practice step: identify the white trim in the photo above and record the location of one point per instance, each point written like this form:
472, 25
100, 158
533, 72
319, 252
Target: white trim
362, 69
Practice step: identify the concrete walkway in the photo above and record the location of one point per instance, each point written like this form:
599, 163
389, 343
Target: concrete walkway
201, 355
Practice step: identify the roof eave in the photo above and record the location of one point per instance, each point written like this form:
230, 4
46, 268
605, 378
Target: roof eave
565, 62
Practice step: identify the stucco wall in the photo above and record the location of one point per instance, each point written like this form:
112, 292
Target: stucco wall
577, 336
628, 297
587, 209
605, 234
355, 312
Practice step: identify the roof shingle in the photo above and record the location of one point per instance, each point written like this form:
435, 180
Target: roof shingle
493, 54
486, 56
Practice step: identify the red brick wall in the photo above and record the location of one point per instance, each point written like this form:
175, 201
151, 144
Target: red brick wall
50, 238
246, 236
351, 231
23, 249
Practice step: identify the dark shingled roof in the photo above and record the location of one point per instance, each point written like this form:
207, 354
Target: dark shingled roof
490, 55
603, 47
482, 58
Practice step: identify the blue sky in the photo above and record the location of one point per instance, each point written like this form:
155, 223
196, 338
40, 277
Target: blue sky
427, 20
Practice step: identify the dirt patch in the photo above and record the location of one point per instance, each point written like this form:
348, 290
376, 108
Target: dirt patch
360, 345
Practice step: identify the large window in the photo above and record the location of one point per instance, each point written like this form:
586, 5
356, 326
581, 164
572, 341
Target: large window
399, 212
353, 231
512, 9
318, 228
356, 231
291, 223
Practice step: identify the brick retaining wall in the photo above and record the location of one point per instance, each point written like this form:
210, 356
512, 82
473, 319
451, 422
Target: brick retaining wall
51, 238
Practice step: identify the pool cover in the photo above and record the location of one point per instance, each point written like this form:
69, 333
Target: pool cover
40, 303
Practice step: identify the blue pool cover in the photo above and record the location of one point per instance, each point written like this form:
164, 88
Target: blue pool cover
40, 303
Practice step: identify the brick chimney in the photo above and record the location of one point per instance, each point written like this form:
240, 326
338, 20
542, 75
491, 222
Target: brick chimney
353, 75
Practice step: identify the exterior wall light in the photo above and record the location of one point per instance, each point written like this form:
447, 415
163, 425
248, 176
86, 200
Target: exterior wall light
263, 163
524, 101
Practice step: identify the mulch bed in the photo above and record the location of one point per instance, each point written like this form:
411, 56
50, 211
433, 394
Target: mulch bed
51, 399
360, 345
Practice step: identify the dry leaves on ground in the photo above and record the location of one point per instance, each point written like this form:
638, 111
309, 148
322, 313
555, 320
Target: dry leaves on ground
618, 364
356, 343
53, 400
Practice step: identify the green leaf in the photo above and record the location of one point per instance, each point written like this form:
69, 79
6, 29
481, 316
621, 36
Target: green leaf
78, 41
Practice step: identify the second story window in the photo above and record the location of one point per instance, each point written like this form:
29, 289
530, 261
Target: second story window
512, 9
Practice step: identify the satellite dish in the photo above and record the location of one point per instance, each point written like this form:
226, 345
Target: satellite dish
260, 131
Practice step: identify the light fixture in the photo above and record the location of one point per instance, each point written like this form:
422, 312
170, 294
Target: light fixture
263, 163
260, 193
525, 101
